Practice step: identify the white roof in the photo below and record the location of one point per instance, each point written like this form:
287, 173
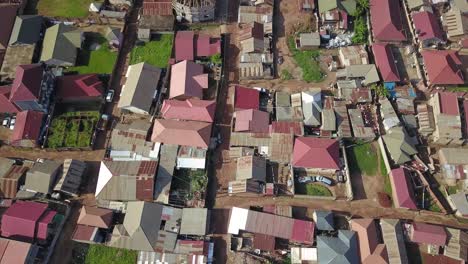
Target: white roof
298, 255
237, 220
104, 177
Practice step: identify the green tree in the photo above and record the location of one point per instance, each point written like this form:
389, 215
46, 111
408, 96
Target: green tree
216, 59
360, 31
380, 90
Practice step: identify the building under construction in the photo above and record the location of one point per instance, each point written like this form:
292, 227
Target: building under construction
194, 10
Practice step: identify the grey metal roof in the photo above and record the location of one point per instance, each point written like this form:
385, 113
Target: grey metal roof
140, 87
5, 165
140, 228
113, 33
131, 139
324, 220
60, 45
42, 176
167, 163
392, 234
27, 30
126, 180
342, 249
366, 72
312, 107
195, 221
310, 39
71, 176
460, 202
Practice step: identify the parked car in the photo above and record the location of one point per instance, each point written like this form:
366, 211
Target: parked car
102, 123
110, 96
324, 180
307, 179
341, 178
12, 123
6, 122
261, 89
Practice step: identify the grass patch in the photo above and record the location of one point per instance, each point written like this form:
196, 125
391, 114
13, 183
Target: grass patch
72, 129
98, 254
363, 159
100, 61
458, 89
383, 168
387, 185
312, 189
68, 8
156, 53
433, 207
307, 61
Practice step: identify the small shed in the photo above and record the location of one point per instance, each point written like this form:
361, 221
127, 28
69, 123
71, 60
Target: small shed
307, 41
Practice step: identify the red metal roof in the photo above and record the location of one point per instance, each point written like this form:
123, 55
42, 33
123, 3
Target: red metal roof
7, 20
184, 48
428, 234
20, 218
443, 66
251, 30
27, 83
321, 153
187, 80
190, 109
94, 216
5, 105
427, 25
385, 62
28, 125
79, 86
246, 98
12, 251
185, 133
157, 7
449, 103
303, 232
401, 190
286, 127
252, 120
367, 236
83, 233
264, 242
465, 109
386, 20
44, 223
439, 259
205, 46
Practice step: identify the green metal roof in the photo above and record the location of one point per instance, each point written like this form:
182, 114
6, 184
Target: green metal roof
327, 5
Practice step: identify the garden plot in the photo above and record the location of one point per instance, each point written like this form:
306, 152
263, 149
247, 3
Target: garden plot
72, 130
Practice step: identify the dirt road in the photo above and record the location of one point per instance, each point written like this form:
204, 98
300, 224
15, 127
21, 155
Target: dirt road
360, 208
33, 154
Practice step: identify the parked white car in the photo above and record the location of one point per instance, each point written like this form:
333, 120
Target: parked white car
110, 96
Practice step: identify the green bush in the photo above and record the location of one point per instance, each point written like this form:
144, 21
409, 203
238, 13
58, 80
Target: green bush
286, 75
216, 59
